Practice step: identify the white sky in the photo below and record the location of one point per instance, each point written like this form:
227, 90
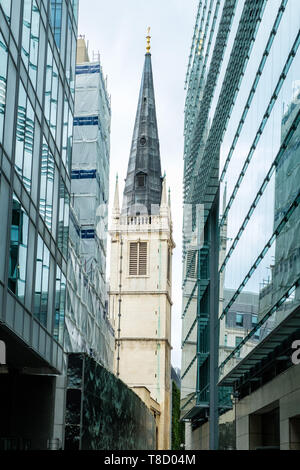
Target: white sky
117, 29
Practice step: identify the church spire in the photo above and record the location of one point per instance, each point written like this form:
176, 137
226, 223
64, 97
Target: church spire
144, 183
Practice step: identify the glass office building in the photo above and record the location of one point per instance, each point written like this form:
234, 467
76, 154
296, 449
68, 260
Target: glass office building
242, 159
37, 84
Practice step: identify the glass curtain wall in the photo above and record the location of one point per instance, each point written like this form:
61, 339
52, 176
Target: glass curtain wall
37, 84
259, 166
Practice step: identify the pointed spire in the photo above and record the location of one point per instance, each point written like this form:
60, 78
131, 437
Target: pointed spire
116, 207
144, 183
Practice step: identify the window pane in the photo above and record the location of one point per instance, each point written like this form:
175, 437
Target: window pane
3, 79
57, 303
56, 15
62, 308
6, 4
24, 138
54, 93
48, 85
239, 319
20, 134
38, 277
26, 31
28, 148
46, 187
34, 42
41, 282
18, 250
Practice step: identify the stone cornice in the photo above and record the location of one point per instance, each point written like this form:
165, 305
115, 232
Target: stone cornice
128, 292
156, 340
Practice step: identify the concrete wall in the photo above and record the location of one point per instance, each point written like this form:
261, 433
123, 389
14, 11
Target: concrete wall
59, 408
282, 393
197, 439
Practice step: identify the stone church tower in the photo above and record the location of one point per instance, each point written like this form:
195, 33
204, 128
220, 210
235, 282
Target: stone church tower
141, 268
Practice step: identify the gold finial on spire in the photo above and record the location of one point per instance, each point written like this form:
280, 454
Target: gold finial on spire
148, 47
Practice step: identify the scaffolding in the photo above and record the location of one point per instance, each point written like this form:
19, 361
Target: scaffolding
88, 327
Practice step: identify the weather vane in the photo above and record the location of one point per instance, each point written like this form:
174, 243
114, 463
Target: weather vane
148, 47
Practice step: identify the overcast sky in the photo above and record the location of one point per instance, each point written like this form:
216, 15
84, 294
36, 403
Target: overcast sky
117, 29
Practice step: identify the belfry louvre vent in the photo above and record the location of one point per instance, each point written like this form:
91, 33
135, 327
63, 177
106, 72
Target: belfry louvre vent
138, 259
142, 258
133, 259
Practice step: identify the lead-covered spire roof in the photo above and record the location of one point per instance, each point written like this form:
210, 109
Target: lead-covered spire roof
143, 184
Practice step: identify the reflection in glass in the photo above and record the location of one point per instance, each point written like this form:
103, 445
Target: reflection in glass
21, 119
6, 4
24, 138
286, 268
56, 12
67, 136
277, 288
51, 91
260, 245
18, 250
3, 80
26, 32
238, 322
41, 282
288, 303
63, 221
54, 94
45, 283
48, 85
70, 141
239, 319
30, 38
68, 50
60, 301
34, 42
47, 182
75, 9
28, 146
65, 132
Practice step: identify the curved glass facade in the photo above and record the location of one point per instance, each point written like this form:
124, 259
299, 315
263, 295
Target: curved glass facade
242, 157
260, 217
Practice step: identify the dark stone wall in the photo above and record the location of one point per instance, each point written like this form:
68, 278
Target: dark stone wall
102, 413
